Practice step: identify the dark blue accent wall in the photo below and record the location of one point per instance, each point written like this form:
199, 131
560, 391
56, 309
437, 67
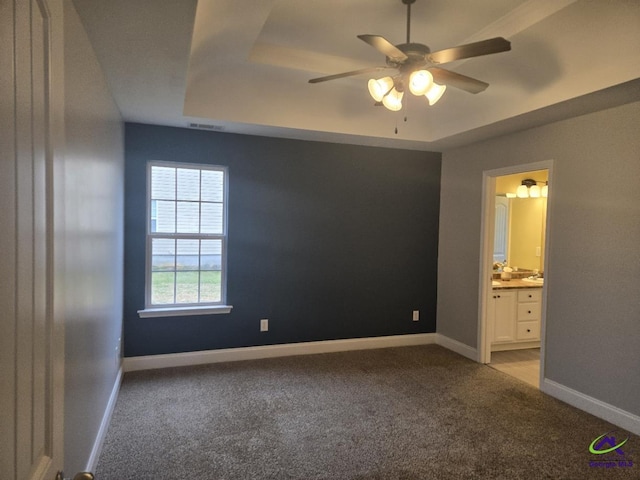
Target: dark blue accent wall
327, 241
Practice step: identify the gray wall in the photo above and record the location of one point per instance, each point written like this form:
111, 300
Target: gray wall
93, 196
593, 304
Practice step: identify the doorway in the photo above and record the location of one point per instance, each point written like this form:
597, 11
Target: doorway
514, 270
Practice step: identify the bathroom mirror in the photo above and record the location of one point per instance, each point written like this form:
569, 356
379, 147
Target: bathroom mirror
520, 224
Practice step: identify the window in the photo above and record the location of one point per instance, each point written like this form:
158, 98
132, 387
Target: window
186, 239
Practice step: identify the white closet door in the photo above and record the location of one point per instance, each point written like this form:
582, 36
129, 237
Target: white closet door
32, 137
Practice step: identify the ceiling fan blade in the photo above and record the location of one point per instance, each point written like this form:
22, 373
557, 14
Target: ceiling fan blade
485, 47
384, 46
348, 74
452, 79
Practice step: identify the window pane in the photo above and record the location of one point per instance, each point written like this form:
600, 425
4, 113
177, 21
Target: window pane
163, 254
211, 255
188, 184
212, 186
187, 287
186, 201
165, 217
162, 288
212, 218
163, 183
210, 286
154, 215
188, 217
188, 255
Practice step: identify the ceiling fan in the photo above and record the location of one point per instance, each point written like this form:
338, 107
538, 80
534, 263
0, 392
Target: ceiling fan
418, 68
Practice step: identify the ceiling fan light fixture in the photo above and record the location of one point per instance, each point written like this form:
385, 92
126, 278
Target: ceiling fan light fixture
393, 101
379, 88
435, 93
416, 65
420, 82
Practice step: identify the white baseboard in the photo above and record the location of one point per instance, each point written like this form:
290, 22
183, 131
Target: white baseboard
271, 351
610, 413
591, 405
104, 424
458, 347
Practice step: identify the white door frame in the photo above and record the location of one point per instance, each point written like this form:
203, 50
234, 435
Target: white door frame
487, 227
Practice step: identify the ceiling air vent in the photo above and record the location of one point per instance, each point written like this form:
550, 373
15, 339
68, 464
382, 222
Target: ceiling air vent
206, 126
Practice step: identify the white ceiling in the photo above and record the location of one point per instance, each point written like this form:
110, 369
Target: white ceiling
244, 66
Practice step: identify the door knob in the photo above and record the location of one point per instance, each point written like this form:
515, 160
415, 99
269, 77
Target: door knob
79, 476
84, 476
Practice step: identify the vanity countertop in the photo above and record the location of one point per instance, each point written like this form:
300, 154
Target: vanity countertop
514, 283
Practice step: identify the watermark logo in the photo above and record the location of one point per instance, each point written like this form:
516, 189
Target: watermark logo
598, 445
609, 451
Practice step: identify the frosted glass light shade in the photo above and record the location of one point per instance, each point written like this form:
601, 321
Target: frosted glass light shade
420, 82
522, 192
545, 191
435, 92
379, 88
534, 191
393, 101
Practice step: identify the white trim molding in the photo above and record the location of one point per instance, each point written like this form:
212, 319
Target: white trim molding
271, 351
184, 311
458, 347
92, 462
591, 405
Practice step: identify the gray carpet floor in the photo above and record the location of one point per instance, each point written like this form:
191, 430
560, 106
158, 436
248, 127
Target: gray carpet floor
399, 413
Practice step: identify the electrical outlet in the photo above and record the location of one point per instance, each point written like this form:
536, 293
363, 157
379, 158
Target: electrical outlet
416, 315
264, 325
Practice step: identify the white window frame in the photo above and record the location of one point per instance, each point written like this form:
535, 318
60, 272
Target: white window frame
182, 309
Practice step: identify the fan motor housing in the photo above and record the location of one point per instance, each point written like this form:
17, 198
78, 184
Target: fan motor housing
416, 53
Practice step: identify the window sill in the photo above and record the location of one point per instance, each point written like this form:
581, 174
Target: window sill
184, 311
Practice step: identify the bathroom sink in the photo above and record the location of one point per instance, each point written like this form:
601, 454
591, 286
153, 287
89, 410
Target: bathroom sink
494, 283
539, 281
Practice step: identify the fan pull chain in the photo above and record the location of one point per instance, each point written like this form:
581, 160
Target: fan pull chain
405, 121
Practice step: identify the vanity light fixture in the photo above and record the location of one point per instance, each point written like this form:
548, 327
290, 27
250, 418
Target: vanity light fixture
534, 191
530, 189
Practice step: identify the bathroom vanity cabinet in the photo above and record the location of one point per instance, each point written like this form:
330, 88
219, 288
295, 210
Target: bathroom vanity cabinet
514, 315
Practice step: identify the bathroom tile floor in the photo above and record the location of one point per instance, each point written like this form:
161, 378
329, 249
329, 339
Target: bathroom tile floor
521, 364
